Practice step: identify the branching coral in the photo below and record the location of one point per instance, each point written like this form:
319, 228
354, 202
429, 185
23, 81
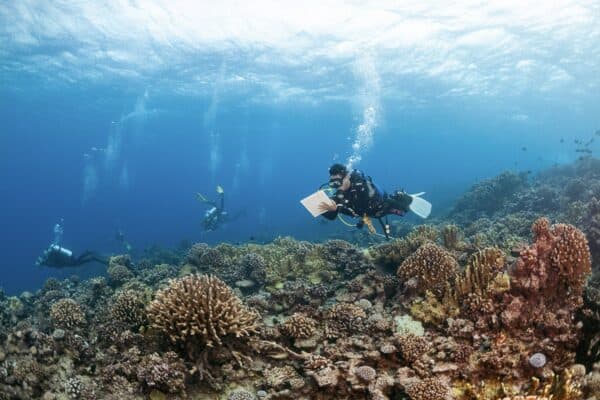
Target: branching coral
480, 274
200, 310
476, 289
451, 236
428, 389
345, 317
430, 268
412, 347
548, 279
67, 314
129, 307
346, 258
165, 373
299, 326
391, 254
254, 266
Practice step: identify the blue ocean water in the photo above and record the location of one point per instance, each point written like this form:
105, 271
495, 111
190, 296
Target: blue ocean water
114, 116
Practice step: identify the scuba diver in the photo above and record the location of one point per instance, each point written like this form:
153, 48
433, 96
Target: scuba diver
120, 238
357, 196
57, 256
216, 215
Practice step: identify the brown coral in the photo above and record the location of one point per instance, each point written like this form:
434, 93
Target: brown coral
547, 281
165, 373
431, 267
365, 373
299, 326
67, 314
345, 317
129, 307
412, 347
428, 389
481, 271
200, 309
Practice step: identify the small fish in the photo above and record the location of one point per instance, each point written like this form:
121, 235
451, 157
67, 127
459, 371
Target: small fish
577, 141
588, 151
562, 140
524, 148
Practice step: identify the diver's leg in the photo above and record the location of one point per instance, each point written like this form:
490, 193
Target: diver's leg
89, 256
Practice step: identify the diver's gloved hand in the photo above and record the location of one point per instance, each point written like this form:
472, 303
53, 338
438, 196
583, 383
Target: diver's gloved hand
402, 200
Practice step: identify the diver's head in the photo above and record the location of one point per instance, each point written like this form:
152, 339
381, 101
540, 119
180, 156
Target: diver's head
339, 177
338, 169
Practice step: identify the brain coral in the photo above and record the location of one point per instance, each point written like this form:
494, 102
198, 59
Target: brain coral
431, 266
200, 309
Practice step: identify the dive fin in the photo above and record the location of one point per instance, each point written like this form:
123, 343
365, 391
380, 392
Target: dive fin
201, 198
420, 206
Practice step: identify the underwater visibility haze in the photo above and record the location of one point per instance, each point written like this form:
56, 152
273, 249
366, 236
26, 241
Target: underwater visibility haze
121, 123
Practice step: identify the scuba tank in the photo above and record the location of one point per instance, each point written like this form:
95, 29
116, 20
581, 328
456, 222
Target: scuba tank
61, 250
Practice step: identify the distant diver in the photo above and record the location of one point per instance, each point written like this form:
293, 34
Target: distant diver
356, 195
60, 257
216, 216
57, 256
120, 237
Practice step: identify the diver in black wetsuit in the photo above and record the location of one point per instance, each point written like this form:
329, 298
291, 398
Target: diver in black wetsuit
357, 196
216, 215
59, 257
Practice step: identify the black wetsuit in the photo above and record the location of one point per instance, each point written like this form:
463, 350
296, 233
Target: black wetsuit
58, 259
215, 216
363, 198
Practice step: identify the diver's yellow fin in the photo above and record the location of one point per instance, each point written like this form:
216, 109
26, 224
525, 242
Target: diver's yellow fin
220, 189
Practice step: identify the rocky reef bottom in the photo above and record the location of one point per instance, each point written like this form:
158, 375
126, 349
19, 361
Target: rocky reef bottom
500, 304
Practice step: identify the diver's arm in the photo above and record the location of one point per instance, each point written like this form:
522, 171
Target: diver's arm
330, 215
200, 197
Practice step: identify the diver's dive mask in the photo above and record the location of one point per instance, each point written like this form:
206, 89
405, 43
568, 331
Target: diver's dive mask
335, 183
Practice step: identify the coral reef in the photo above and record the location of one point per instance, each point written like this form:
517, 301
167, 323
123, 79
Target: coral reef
474, 308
